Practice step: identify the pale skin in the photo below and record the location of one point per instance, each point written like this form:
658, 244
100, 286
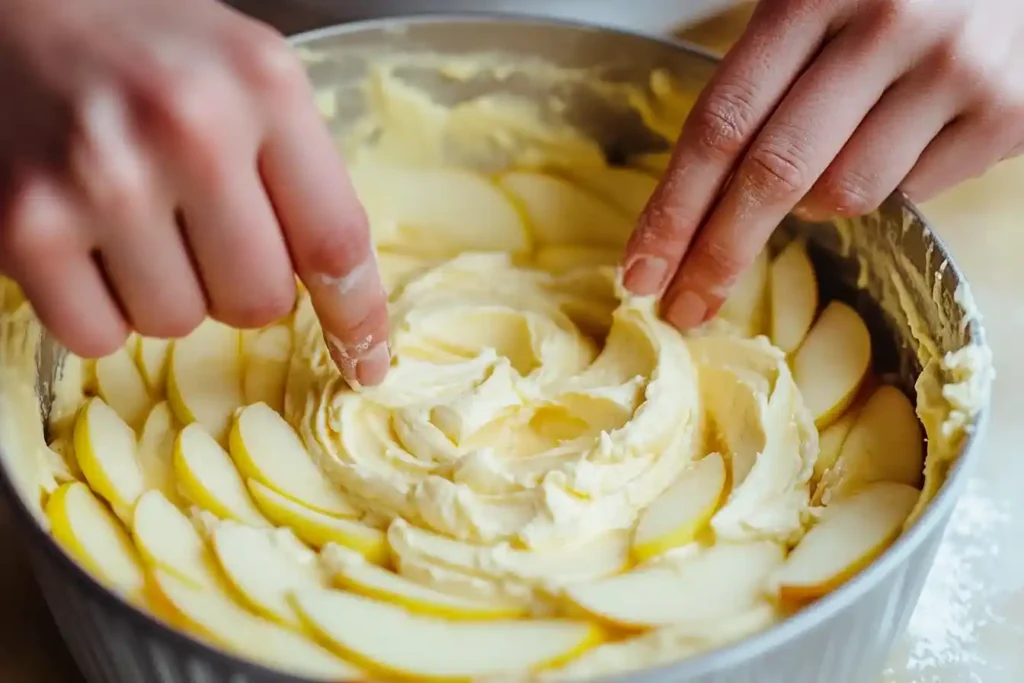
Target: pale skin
161, 162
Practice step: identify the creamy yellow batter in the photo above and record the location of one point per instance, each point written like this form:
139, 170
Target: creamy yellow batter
532, 413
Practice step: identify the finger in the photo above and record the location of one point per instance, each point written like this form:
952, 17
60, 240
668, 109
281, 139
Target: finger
734, 105
47, 250
966, 148
329, 238
810, 126
239, 249
885, 147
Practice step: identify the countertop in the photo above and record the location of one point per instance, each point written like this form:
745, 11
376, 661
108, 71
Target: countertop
970, 623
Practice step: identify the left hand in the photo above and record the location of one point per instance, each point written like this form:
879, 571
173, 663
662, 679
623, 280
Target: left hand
827, 106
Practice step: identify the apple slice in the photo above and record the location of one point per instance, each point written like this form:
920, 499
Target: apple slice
830, 443
559, 258
208, 478
852, 534
747, 305
106, 451
267, 449
438, 211
267, 359
683, 510
151, 355
885, 443
794, 296
84, 527
721, 581
120, 384
156, 451
167, 540
318, 529
350, 571
204, 379
625, 188
214, 616
435, 648
561, 213
832, 362
265, 566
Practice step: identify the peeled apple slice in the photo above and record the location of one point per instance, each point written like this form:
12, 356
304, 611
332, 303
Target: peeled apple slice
747, 305
438, 211
204, 380
561, 213
794, 296
721, 581
353, 573
208, 478
167, 540
267, 358
151, 355
438, 649
92, 535
106, 452
830, 443
121, 386
885, 443
316, 528
683, 510
216, 617
264, 566
832, 362
625, 188
266, 448
854, 532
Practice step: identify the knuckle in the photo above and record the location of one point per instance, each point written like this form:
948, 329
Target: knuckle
268, 62
719, 265
333, 253
776, 169
727, 119
185, 105
851, 194
29, 233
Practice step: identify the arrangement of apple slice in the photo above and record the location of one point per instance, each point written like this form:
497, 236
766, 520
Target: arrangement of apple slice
625, 188
156, 451
885, 443
215, 617
267, 355
794, 296
351, 572
440, 649
562, 213
106, 451
167, 540
720, 581
204, 378
208, 478
854, 532
265, 566
151, 355
833, 360
84, 526
121, 386
266, 448
747, 305
318, 529
413, 208
683, 510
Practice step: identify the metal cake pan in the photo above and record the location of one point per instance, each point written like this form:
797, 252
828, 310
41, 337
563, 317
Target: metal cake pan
843, 638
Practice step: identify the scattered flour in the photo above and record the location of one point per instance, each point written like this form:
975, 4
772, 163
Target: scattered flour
944, 627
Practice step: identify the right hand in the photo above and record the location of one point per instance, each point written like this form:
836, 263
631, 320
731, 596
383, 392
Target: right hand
161, 162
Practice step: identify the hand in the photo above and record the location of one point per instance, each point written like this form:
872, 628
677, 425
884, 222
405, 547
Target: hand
160, 162
831, 104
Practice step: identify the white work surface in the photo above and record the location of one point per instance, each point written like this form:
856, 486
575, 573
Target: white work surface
969, 625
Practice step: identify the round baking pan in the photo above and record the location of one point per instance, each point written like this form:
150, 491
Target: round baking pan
843, 638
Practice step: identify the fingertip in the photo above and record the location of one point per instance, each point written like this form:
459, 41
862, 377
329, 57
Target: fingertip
685, 310
645, 275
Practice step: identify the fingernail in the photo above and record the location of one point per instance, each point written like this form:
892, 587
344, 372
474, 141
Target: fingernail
372, 367
687, 310
646, 275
